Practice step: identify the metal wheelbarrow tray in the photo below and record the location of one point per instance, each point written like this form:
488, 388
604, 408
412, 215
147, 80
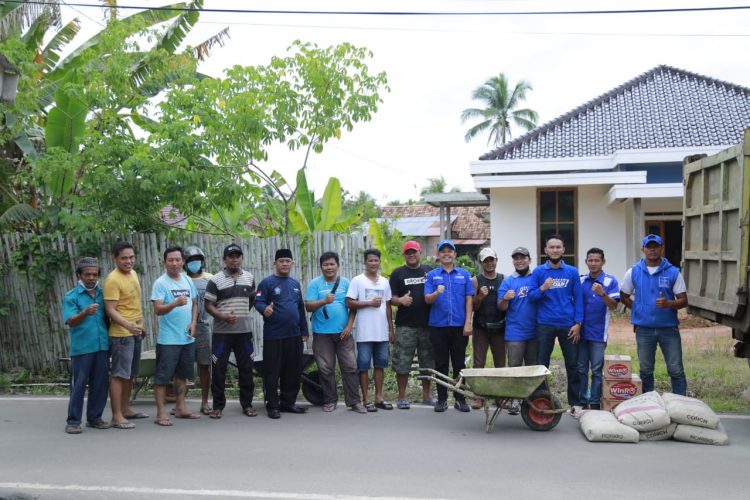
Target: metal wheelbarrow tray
540, 410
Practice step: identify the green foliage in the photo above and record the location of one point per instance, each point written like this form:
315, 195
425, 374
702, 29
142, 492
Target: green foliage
307, 217
389, 241
468, 263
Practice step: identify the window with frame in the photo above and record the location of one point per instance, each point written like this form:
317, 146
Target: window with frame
557, 210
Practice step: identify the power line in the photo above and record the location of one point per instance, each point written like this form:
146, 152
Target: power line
405, 13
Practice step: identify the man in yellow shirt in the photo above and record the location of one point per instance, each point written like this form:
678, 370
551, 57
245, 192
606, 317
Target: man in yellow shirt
122, 300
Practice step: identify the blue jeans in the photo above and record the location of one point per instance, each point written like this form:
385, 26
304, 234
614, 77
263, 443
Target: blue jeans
90, 370
547, 335
590, 353
671, 347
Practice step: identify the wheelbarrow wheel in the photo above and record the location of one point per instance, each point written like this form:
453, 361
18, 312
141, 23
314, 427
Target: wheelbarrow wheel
540, 421
311, 388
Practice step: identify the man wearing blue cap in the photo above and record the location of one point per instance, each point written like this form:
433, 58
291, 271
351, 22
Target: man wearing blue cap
450, 292
659, 292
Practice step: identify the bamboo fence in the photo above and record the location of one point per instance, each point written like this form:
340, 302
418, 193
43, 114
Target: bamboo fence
33, 336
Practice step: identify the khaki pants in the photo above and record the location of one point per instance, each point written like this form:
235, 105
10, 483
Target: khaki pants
481, 340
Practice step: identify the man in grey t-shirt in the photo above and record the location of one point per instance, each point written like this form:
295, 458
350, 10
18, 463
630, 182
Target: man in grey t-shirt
230, 295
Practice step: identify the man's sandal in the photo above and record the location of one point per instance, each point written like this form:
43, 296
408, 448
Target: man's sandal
249, 412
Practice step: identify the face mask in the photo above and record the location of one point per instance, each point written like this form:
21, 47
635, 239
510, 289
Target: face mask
89, 289
194, 266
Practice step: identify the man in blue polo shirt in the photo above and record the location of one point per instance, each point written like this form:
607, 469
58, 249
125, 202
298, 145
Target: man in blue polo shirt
449, 290
558, 289
600, 292
83, 312
520, 318
659, 293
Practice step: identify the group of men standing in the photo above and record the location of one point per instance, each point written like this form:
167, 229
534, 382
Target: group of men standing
518, 317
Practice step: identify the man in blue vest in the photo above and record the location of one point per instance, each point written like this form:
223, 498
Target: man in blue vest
659, 293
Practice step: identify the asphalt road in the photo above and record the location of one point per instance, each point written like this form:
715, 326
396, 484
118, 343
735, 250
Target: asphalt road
397, 454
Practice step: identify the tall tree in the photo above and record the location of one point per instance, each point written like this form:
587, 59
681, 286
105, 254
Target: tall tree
501, 110
436, 185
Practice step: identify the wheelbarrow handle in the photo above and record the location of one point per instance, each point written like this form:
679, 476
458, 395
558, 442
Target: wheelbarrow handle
447, 382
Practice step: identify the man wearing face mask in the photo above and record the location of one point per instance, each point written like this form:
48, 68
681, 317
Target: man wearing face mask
195, 261
83, 312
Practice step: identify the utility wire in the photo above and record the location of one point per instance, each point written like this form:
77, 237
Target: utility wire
405, 13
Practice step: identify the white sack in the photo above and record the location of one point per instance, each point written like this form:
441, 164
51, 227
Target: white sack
659, 434
646, 412
599, 425
690, 411
701, 435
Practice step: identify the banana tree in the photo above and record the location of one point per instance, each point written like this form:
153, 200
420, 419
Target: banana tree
306, 216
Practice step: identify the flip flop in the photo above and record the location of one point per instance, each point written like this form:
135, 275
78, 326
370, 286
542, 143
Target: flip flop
123, 425
249, 412
384, 405
371, 408
164, 422
206, 410
189, 416
215, 414
136, 415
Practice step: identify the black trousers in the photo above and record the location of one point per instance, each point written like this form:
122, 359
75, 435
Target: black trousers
222, 344
449, 346
282, 368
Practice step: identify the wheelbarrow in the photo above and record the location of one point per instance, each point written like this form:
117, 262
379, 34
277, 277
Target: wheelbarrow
540, 410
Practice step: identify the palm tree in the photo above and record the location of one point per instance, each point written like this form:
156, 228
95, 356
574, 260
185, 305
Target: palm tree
436, 185
501, 109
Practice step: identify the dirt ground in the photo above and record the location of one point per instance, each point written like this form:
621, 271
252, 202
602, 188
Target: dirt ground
695, 331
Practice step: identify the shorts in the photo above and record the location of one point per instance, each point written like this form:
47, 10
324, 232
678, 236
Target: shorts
377, 352
203, 347
411, 340
125, 354
174, 361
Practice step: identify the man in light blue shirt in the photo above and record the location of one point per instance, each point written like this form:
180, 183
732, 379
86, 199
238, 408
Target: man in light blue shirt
175, 303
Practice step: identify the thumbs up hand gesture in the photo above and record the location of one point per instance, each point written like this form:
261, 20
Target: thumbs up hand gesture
662, 302
406, 300
268, 311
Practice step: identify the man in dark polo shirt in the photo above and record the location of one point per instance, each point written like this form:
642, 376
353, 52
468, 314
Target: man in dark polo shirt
412, 333
230, 295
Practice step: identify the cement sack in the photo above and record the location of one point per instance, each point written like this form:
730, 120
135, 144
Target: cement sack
643, 413
690, 411
701, 435
659, 434
599, 425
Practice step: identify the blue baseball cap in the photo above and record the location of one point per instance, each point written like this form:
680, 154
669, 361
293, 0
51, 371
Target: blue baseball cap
652, 238
448, 243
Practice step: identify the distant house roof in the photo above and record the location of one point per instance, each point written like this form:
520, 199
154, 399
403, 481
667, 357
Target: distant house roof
665, 107
469, 223
172, 217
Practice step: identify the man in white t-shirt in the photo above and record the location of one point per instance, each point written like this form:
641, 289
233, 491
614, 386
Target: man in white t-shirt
368, 301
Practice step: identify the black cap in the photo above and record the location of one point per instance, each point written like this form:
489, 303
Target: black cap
283, 253
520, 250
232, 248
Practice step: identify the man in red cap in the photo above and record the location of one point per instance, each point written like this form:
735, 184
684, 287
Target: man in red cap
412, 334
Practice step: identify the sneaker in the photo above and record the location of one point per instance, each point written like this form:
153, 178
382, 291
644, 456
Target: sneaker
73, 429
441, 406
329, 407
429, 402
359, 408
515, 407
461, 406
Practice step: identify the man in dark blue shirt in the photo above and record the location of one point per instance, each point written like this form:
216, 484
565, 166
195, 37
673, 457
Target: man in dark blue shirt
279, 300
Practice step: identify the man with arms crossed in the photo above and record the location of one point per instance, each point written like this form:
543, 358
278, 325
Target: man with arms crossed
558, 289
412, 333
122, 300
83, 312
659, 293
230, 295
449, 290
325, 298
175, 303
367, 299
520, 318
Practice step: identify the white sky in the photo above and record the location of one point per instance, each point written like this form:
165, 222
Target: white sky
435, 62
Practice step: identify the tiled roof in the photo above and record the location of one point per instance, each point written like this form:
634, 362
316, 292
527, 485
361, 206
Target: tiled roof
662, 108
470, 223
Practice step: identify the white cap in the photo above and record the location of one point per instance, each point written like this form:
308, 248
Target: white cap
487, 252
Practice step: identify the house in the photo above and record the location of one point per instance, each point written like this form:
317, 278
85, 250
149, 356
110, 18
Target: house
469, 226
610, 171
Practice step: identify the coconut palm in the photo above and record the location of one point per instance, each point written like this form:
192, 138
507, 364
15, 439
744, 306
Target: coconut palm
501, 110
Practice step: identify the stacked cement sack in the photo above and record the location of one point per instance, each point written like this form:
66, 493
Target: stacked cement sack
655, 418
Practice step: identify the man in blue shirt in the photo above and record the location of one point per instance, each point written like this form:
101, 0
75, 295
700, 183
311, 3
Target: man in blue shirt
659, 293
600, 292
449, 290
520, 318
83, 312
175, 303
279, 300
558, 290
332, 337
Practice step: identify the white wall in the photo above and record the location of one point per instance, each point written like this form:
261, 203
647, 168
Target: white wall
602, 225
513, 223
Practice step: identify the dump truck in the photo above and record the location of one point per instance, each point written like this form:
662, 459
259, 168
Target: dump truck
716, 239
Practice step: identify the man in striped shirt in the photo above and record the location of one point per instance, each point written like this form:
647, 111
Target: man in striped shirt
229, 297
